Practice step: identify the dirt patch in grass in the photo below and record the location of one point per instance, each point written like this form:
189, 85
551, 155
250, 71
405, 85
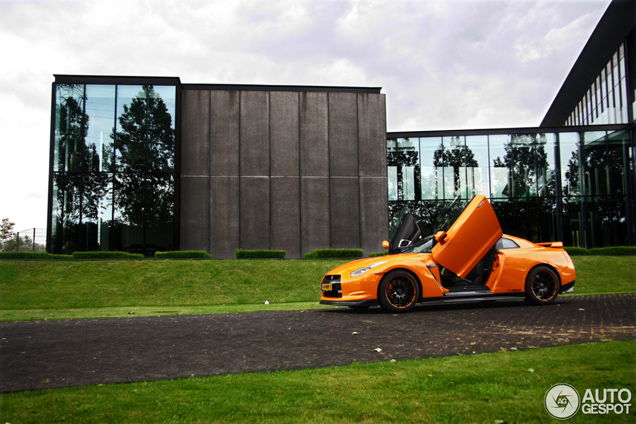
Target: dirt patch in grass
47, 354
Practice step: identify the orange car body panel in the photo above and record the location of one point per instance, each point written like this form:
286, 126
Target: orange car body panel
474, 233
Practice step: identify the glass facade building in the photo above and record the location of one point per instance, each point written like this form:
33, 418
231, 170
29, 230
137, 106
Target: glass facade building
574, 185
572, 178
113, 165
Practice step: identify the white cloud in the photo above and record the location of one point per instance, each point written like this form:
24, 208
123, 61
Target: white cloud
443, 64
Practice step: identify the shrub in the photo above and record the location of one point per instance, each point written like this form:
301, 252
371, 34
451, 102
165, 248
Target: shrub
335, 253
31, 255
613, 251
107, 255
576, 251
183, 254
260, 254
602, 251
374, 254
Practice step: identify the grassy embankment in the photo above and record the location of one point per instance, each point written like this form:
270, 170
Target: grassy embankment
88, 289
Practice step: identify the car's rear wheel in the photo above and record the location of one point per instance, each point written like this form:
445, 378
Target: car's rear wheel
542, 285
399, 291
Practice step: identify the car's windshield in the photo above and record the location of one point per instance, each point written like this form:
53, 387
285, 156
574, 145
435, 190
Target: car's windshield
423, 245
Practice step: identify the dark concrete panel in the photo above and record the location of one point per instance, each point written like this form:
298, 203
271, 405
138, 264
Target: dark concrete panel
314, 213
224, 133
254, 214
343, 135
344, 204
285, 215
284, 134
195, 132
374, 214
314, 134
254, 137
195, 213
224, 217
372, 135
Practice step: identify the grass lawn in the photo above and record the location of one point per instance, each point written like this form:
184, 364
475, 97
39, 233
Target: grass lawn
89, 289
488, 388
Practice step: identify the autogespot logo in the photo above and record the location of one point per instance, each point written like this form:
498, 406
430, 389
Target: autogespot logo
562, 401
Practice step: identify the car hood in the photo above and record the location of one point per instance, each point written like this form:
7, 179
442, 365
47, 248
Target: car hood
469, 238
354, 265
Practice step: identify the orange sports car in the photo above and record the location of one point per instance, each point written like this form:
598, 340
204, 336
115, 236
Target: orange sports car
471, 261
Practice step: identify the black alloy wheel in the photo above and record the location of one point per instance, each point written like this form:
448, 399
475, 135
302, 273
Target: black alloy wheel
399, 291
542, 285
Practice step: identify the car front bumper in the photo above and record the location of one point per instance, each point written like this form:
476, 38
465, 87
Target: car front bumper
354, 303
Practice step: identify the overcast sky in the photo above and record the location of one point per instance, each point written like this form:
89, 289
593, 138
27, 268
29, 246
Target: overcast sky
443, 64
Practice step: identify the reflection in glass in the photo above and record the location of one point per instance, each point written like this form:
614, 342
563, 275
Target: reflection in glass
113, 170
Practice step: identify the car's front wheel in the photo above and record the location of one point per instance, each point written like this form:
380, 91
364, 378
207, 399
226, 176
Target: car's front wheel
542, 285
399, 291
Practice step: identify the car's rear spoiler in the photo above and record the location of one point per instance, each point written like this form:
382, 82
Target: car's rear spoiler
554, 244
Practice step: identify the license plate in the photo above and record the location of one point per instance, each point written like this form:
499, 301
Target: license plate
327, 287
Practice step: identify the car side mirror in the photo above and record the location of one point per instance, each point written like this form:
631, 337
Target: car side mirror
557, 244
385, 244
440, 236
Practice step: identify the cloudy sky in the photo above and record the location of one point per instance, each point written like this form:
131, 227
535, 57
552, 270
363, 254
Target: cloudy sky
443, 64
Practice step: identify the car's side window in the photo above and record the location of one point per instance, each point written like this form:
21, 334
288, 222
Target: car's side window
505, 243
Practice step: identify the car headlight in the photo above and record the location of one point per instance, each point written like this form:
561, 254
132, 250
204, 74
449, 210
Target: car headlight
361, 271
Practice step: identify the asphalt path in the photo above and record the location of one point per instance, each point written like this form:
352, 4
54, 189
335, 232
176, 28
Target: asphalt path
61, 353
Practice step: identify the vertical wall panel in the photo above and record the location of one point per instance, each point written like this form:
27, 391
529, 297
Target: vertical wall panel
254, 213
374, 214
372, 135
314, 201
285, 215
345, 212
254, 137
194, 194
314, 134
343, 135
195, 213
224, 133
224, 216
284, 134
195, 133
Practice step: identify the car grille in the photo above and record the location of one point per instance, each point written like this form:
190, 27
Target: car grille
334, 280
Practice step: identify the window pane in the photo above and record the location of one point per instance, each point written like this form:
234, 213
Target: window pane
393, 182
70, 127
499, 174
431, 174
100, 109
477, 165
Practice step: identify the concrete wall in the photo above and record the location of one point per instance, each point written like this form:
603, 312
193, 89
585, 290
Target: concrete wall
290, 170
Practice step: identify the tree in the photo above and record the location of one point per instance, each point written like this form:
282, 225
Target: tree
458, 157
145, 152
6, 233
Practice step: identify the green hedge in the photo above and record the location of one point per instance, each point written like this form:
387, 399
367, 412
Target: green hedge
107, 255
602, 251
260, 254
335, 253
31, 255
183, 254
375, 254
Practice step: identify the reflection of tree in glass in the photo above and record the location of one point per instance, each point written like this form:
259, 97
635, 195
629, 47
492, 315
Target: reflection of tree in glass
402, 158
527, 163
458, 157
80, 194
145, 144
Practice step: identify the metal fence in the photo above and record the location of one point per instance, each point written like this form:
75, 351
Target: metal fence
29, 240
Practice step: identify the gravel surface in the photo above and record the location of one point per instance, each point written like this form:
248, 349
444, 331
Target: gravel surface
61, 353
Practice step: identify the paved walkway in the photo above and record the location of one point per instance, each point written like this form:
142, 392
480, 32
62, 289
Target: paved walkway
60, 353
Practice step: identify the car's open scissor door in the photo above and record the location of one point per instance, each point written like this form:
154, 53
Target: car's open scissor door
406, 234
469, 238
